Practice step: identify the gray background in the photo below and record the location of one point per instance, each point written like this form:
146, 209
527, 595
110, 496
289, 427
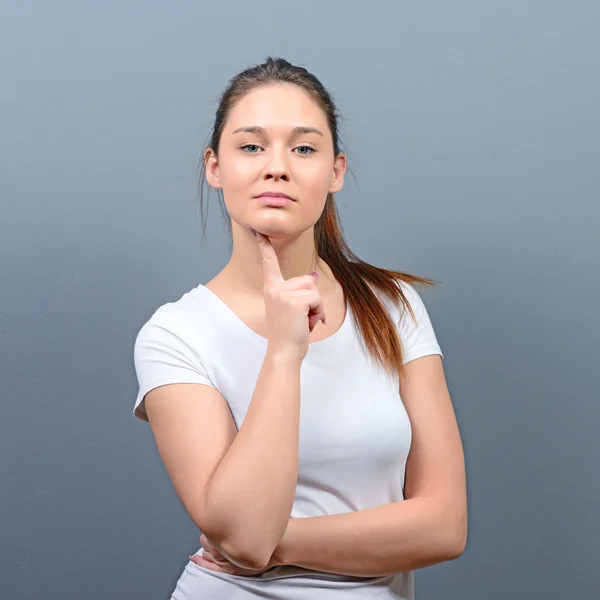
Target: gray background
473, 130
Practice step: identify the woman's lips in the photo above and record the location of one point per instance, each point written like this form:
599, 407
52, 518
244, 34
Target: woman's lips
275, 200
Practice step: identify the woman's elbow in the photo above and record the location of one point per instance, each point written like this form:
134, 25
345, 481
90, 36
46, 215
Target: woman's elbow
455, 540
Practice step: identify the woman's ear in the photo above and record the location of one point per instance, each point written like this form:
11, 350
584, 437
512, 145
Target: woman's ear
212, 168
339, 170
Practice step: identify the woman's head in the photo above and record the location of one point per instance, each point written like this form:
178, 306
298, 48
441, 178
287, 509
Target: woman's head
275, 130
278, 97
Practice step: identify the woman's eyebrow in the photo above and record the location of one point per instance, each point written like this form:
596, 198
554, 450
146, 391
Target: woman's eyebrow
299, 130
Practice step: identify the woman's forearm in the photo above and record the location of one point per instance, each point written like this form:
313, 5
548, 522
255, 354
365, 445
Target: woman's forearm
251, 494
401, 536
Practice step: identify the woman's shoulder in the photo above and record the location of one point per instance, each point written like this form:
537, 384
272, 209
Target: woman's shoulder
177, 314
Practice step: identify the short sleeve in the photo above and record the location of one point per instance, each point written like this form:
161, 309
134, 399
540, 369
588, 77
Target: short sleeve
418, 339
161, 357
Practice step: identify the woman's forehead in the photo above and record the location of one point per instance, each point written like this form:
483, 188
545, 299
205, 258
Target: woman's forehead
276, 108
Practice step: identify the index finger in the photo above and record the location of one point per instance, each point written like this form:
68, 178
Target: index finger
271, 270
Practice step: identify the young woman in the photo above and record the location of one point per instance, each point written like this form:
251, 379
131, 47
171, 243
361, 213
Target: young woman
298, 399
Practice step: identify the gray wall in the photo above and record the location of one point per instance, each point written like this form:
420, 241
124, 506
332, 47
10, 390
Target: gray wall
473, 130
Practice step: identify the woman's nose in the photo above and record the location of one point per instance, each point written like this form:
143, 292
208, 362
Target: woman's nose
276, 168
276, 174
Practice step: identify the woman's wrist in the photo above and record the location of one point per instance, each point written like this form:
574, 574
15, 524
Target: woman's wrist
283, 553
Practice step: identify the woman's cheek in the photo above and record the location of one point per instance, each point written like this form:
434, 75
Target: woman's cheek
319, 179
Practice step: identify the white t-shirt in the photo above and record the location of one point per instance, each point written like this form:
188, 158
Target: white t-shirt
354, 435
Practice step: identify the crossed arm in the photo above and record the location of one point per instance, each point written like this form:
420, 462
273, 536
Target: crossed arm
429, 526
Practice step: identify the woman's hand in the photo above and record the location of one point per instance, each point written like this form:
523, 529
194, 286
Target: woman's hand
293, 307
212, 559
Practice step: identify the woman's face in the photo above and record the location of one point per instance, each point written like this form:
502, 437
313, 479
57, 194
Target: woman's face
276, 139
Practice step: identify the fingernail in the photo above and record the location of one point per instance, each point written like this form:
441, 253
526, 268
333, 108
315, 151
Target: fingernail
252, 231
314, 274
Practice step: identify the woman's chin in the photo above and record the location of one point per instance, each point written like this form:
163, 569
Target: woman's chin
276, 231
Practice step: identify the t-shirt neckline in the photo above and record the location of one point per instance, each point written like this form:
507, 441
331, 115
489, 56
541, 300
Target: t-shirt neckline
334, 338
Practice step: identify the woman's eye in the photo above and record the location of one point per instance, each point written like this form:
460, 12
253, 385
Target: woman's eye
310, 150
253, 146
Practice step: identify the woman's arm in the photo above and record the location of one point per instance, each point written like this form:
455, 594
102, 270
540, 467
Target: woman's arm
428, 527
252, 490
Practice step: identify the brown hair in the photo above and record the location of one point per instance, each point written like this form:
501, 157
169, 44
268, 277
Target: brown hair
378, 330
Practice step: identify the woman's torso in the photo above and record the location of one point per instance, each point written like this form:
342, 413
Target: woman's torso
354, 434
